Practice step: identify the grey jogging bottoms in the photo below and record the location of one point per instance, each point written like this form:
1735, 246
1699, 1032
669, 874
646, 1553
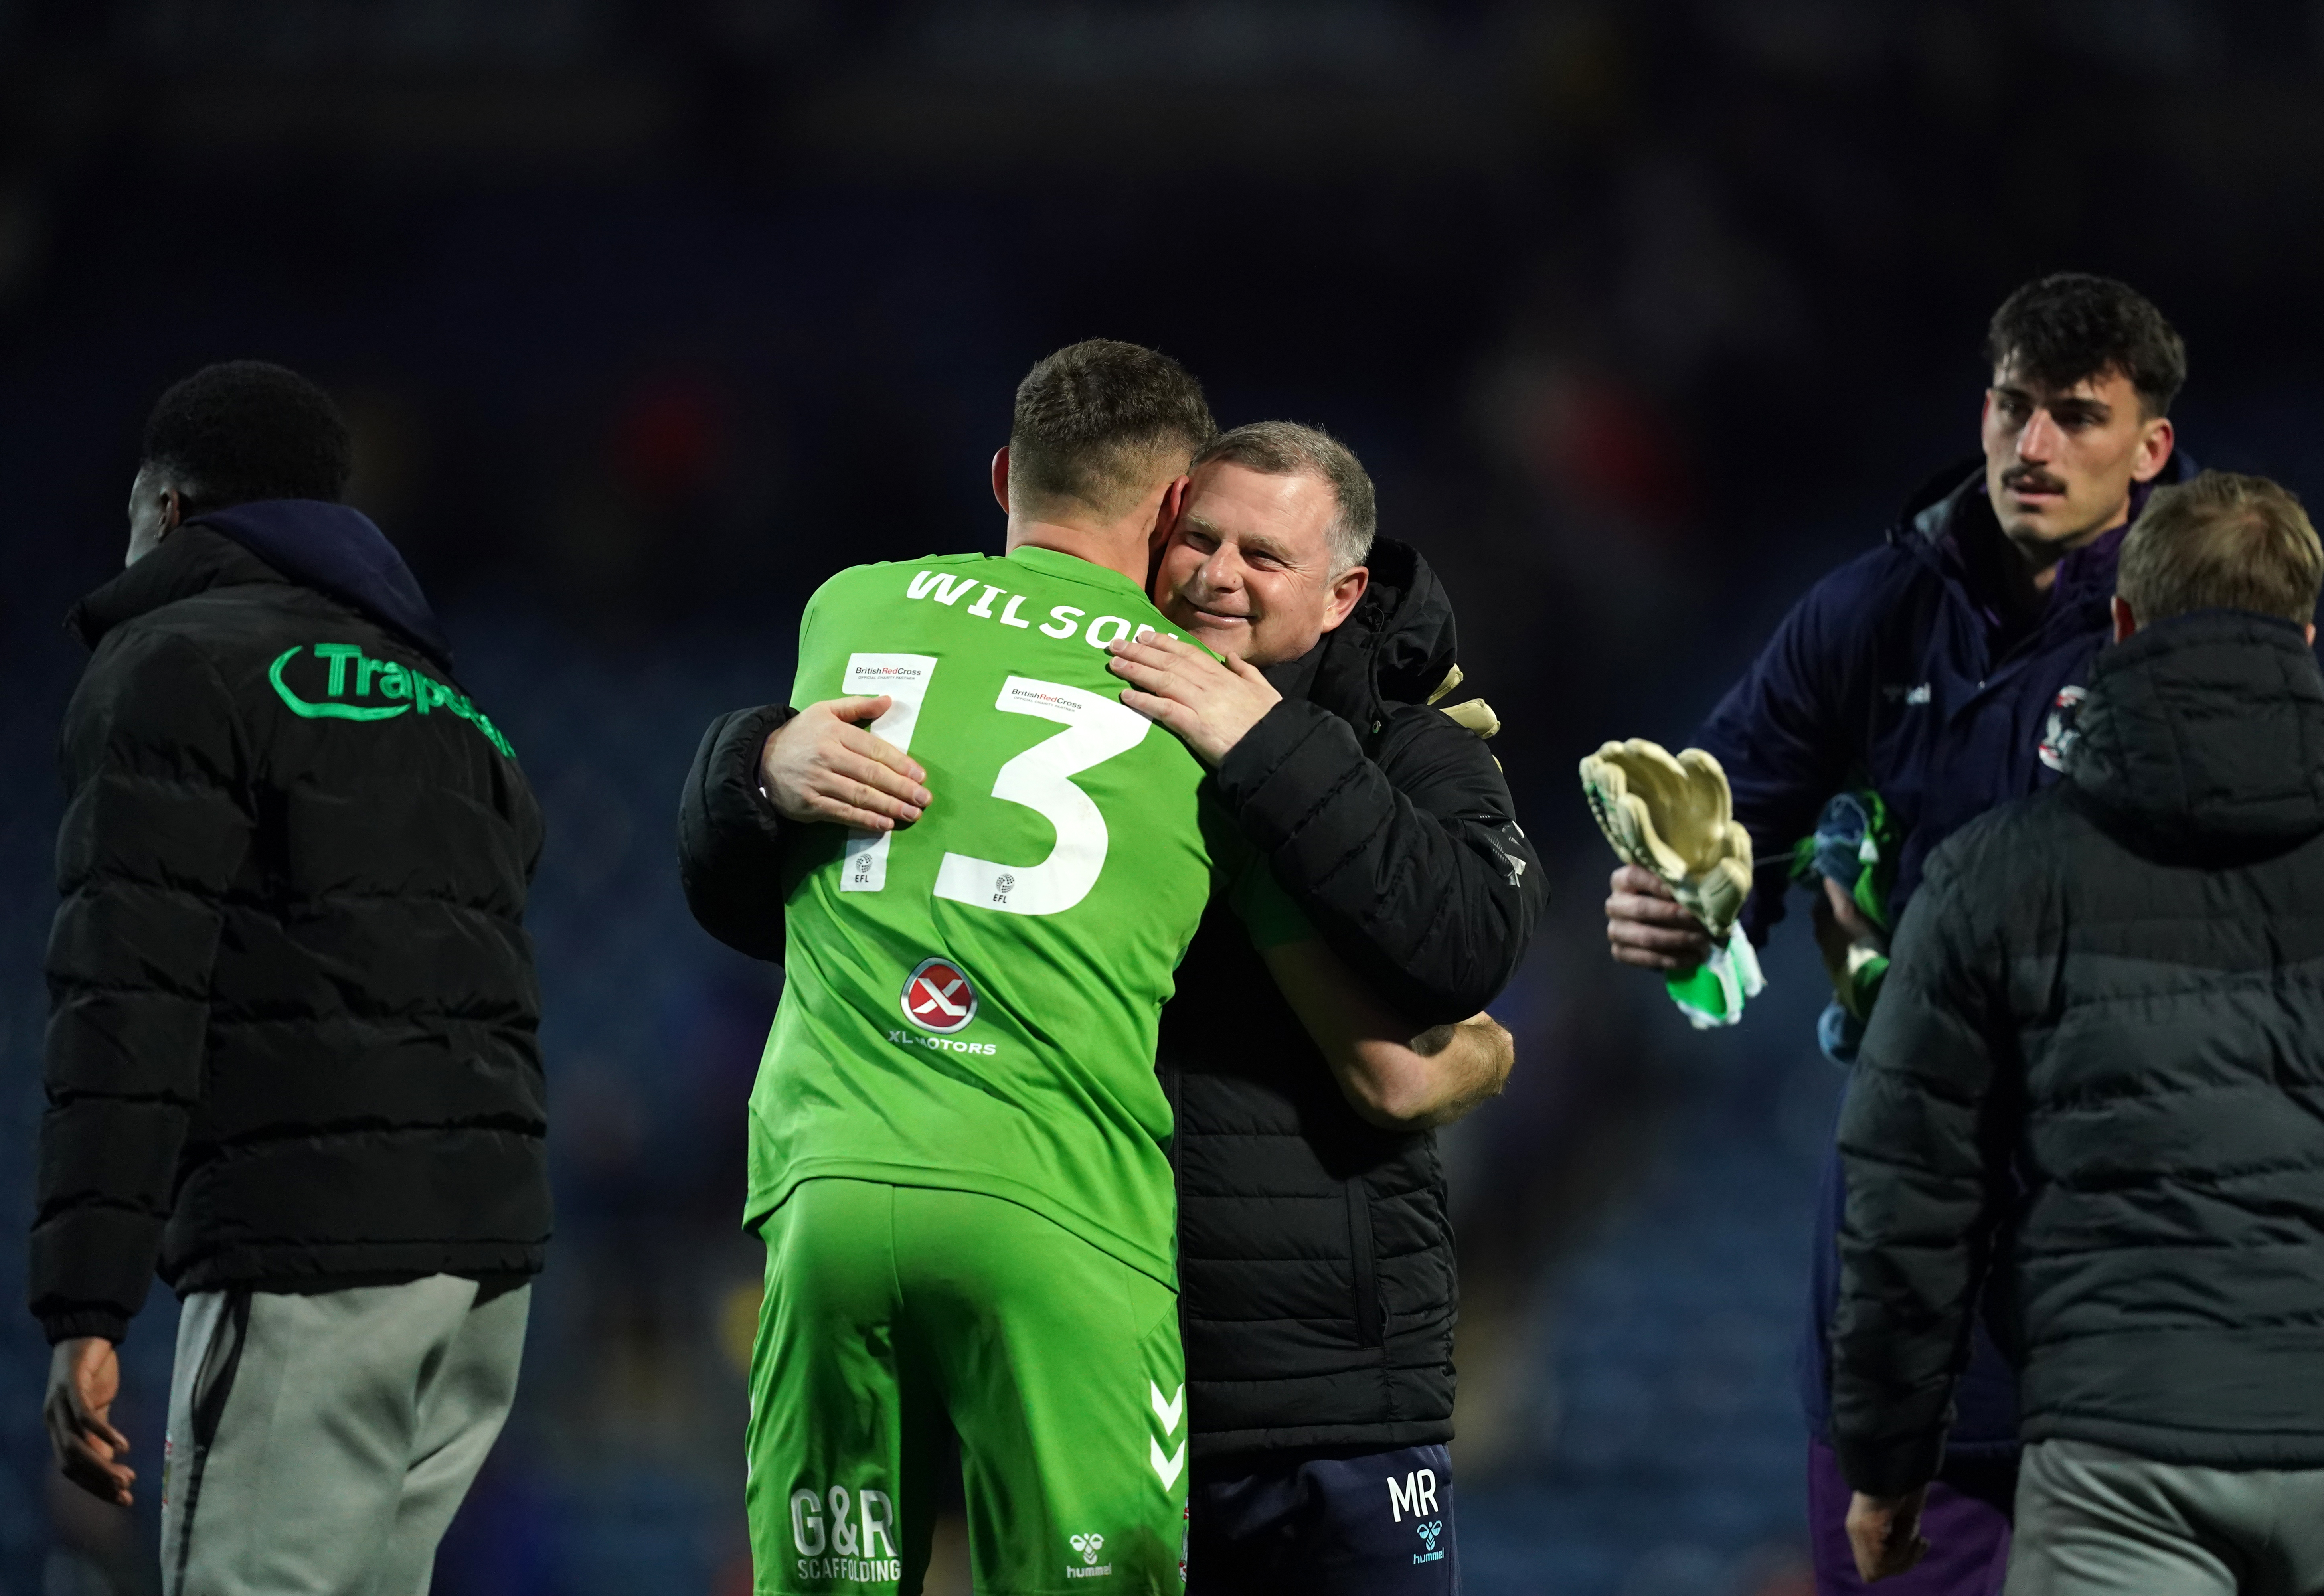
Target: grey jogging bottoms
319, 1444
2093, 1521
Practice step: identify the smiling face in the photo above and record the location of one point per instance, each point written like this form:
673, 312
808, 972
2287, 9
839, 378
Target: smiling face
1247, 566
2059, 463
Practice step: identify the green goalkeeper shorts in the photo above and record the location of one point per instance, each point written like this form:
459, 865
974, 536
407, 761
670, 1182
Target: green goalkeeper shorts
893, 1314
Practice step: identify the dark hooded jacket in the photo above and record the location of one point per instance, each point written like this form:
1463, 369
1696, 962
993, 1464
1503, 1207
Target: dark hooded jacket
1316, 1259
1905, 671
292, 1036
2096, 1073
1316, 1255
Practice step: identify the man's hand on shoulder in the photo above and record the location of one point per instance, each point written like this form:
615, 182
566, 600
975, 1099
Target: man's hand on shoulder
824, 765
1645, 926
84, 1378
1211, 706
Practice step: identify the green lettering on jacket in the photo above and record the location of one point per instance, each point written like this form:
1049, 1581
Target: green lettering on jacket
416, 690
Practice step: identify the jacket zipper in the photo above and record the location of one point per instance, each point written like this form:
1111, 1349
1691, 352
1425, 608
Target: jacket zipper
1370, 1331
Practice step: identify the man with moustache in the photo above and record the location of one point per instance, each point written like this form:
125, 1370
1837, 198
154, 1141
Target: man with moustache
1942, 671
1315, 1256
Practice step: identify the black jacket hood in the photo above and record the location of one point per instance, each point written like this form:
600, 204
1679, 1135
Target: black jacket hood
334, 549
2206, 730
1396, 646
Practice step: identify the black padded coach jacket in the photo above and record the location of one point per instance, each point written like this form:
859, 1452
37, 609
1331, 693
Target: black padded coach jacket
1318, 1287
292, 1034
2097, 1073
1315, 1251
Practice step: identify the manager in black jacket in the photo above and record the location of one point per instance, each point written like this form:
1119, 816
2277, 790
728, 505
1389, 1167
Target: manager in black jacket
291, 1051
1316, 1257
2097, 1072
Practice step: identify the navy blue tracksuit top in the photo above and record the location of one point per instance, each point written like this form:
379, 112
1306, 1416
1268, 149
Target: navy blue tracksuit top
1902, 671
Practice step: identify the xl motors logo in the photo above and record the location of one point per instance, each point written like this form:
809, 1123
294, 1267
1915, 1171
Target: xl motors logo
938, 997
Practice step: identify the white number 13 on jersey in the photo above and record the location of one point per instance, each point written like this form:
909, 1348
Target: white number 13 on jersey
1097, 728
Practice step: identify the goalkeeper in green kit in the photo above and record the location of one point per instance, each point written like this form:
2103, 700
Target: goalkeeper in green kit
958, 1145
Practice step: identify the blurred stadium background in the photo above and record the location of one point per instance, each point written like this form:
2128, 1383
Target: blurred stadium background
651, 313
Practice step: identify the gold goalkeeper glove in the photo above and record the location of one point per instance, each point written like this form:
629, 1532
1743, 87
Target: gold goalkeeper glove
1677, 817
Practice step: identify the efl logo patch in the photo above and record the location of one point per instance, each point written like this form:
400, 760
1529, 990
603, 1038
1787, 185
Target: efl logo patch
937, 997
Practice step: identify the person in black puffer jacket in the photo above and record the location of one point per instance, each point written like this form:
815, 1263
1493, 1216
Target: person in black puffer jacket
291, 1049
2096, 1073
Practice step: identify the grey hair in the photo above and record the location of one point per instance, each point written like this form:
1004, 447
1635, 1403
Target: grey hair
1288, 448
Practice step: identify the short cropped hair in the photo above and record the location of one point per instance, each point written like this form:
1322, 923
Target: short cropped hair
1098, 422
2222, 542
1289, 448
2070, 326
244, 430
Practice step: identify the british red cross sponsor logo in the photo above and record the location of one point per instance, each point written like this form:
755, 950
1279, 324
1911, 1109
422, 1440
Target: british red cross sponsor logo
938, 998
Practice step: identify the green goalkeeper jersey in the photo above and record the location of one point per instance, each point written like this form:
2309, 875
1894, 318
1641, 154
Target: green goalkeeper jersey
970, 1002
